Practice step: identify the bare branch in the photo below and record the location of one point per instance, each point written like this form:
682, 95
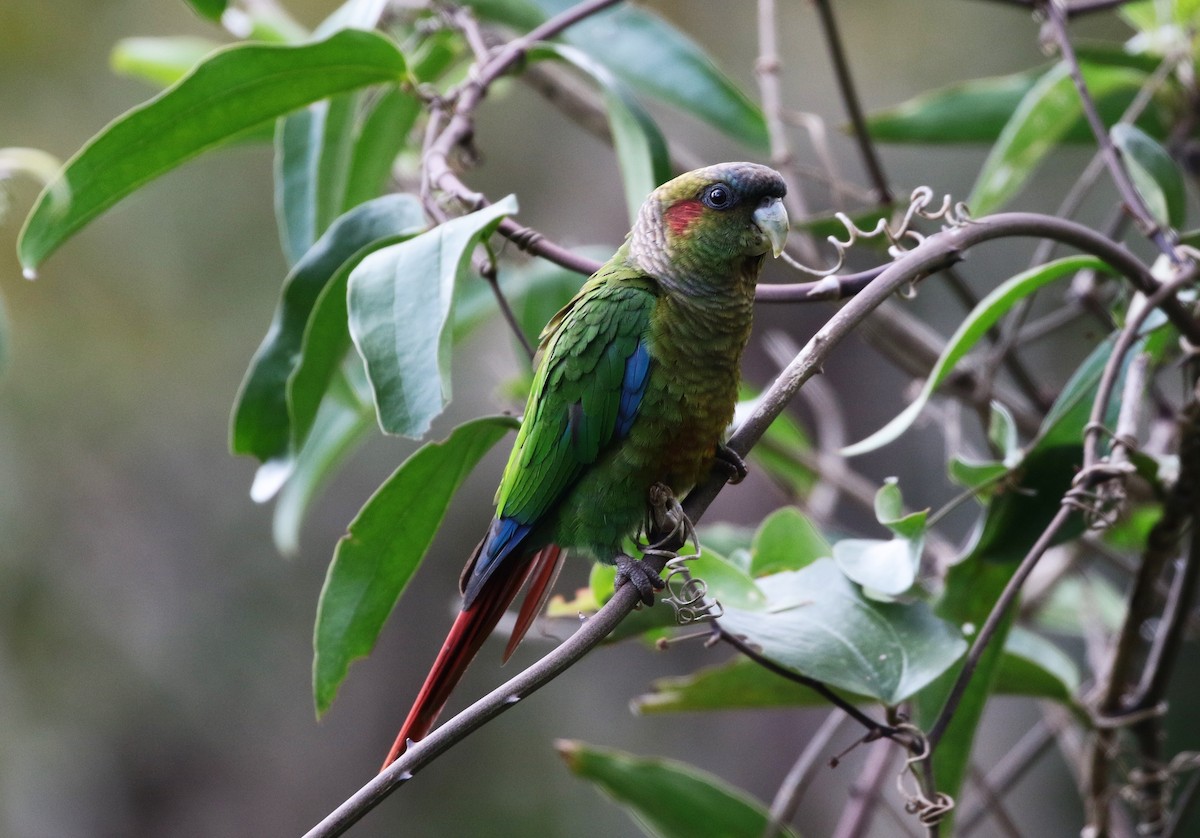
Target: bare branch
841, 71
767, 69
787, 798
1164, 239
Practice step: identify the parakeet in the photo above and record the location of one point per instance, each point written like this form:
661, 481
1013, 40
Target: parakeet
636, 380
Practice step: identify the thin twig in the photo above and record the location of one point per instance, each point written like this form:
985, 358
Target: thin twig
865, 796
1164, 239
787, 798
845, 82
1011, 767
995, 803
770, 92
875, 730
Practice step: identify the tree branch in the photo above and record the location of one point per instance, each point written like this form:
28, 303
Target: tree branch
1164, 239
845, 82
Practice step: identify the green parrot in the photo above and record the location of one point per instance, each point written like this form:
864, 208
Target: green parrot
636, 380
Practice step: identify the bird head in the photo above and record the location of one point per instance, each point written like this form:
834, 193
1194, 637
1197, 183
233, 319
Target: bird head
717, 217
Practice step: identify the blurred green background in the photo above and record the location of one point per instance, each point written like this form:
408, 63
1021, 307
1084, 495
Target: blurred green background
155, 649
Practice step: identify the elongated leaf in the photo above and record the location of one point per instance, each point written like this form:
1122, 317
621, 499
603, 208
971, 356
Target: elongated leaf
1033, 666
818, 624
786, 540
353, 14
668, 799
889, 511
782, 451
884, 566
989, 310
977, 110
261, 426
326, 341
211, 9
384, 133
1078, 605
640, 147
344, 420
1154, 174
399, 306
160, 61
974, 111
1044, 115
651, 56
385, 544
232, 90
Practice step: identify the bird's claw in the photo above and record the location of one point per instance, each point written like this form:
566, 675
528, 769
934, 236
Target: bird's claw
640, 575
730, 462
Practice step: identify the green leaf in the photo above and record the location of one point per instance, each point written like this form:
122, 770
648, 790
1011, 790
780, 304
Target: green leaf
726, 582
1154, 174
818, 624
353, 14
399, 305
972, 111
312, 159
385, 544
887, 567
211, 9
232, 90
668, 799
651, 56
344, 420
786, 540
889, 511
640, 147
1033, 666
1002, 434
261, 424
985, 315
781, 453
160, 61
976, 111
1039, 123
1078, 605
384, 133
740, 684
976, 475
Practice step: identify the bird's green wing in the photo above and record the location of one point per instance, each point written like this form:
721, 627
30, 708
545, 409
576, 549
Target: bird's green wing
586, 392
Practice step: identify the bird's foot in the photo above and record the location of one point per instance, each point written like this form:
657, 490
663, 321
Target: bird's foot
668, 518
731, 463
640, 575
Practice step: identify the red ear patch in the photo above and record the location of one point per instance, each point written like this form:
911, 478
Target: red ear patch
680, 215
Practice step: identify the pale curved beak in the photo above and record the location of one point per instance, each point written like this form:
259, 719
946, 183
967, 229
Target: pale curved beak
772, 219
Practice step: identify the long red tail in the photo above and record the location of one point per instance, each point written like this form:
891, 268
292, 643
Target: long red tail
471, 628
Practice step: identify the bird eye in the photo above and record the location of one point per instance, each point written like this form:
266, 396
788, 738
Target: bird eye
718, 196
